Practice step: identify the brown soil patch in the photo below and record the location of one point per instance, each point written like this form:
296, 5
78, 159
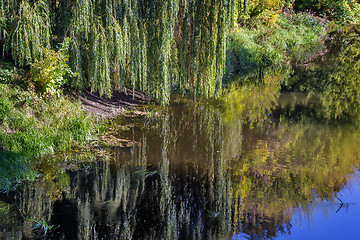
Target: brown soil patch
118, 104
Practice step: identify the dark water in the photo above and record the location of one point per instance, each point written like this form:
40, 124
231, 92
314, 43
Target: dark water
263, 164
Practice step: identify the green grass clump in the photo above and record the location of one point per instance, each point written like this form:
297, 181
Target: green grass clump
32, 125
272, 41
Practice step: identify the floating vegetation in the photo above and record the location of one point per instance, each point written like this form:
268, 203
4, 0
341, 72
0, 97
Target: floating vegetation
41, 228
110, 140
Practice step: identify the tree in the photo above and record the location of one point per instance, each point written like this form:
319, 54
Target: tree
151, 46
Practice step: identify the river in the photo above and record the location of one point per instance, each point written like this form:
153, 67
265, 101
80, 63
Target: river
261, 164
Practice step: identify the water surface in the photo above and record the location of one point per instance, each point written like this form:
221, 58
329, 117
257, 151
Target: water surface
261, 164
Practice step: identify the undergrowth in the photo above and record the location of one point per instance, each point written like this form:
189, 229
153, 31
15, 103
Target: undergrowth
32, 125
272, 41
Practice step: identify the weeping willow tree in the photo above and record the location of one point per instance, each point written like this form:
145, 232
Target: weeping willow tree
151, 46
25, 30
202, 45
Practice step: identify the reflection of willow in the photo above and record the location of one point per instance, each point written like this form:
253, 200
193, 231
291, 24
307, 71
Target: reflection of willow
203, 182
175, 184
33, 202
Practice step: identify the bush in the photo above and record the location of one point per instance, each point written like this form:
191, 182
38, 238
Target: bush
32, 125
252, 8
290, 39
344, 11
50, 72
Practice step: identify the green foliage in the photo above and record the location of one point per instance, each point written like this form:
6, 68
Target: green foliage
14, 169
33, 126
25, 30
49, 74
151, 46
343, 11
8, 72
290, 39
246, 9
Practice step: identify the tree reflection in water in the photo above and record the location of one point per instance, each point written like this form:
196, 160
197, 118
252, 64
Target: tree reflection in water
201, 171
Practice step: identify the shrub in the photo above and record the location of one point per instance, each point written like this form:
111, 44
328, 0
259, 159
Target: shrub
49, 74
344, 11
253, 8
290, 39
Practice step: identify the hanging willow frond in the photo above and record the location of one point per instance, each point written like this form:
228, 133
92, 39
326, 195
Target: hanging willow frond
99, 67
148, 45
32, 33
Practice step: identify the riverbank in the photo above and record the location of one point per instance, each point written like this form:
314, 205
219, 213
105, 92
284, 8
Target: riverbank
119, 104
273, 42
33, 125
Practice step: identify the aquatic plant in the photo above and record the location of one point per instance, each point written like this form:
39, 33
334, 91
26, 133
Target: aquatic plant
41, 228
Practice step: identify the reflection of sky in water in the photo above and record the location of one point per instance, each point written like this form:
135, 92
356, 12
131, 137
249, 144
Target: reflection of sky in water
327, 220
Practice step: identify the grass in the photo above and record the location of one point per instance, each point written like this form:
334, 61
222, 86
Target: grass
32, 125
13, 170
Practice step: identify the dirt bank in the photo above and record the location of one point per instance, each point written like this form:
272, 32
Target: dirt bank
118, 104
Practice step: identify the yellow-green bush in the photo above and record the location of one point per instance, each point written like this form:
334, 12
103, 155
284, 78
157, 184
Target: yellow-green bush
252, 8
49, 73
